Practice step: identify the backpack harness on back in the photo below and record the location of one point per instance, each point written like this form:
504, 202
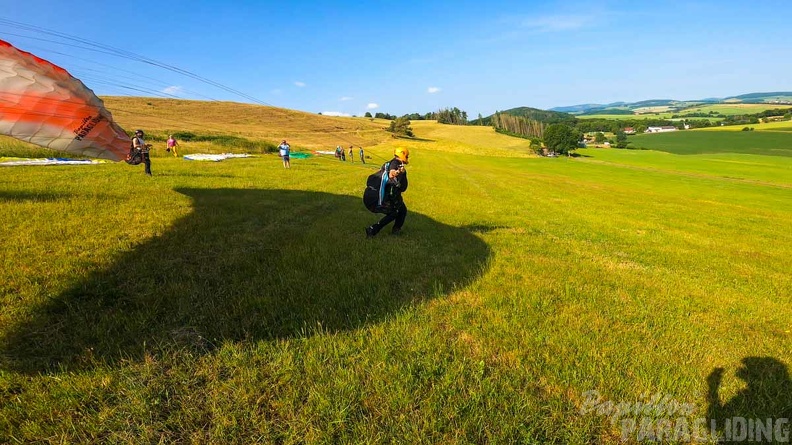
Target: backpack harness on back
134, 157
375, 195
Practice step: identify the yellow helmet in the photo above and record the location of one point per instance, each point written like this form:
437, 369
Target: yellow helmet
402, 154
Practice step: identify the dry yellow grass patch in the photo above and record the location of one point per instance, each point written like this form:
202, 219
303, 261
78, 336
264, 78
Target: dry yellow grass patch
245, 120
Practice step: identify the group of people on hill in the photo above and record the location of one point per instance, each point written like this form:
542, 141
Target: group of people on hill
341, 154
382, 195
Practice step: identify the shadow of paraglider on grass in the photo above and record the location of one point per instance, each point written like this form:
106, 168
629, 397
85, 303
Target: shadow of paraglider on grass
245, 265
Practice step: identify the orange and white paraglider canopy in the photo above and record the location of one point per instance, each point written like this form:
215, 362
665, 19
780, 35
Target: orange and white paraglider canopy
43, 104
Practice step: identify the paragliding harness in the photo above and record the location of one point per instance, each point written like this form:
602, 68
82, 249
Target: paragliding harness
378, 197
135, 156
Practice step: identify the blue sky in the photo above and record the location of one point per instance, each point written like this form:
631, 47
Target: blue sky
403, 57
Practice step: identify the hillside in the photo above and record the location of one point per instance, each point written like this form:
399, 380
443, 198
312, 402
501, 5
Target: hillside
576, 109
762, 98
245, 120
672, 105
546, 116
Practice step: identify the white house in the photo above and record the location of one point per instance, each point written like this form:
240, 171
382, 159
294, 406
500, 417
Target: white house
662, 129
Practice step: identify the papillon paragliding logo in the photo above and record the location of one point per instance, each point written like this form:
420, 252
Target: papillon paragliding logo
43, 104
87, 125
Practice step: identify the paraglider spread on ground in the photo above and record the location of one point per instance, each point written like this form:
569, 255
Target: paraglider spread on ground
213, 157
10, 162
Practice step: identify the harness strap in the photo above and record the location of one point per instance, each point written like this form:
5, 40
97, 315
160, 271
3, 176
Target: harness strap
383, 183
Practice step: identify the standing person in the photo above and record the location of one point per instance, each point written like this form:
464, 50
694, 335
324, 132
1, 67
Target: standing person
343, 153
172, 144
138, 143
338, 152
284, 149
392, 203
351, 155
362, 158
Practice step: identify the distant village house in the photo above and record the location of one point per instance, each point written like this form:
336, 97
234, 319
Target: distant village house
662, 129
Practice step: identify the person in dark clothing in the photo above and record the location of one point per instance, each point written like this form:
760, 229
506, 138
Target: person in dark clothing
393, 204
140, 144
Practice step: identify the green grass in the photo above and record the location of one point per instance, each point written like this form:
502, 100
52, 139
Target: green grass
768, 170
699, 142
735, 109
770, 126
239, 302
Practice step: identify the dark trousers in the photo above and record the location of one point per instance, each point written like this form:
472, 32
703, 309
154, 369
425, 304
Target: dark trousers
147, 162
398, 214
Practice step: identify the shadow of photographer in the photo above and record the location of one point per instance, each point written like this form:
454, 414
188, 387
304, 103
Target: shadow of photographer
245, 265
766, 398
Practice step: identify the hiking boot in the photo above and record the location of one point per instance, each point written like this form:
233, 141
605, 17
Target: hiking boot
370, 232
396, 231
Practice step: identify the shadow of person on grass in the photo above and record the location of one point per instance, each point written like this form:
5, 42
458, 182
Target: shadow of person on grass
767, 395
245, 265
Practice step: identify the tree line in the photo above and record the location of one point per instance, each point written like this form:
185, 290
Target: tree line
451, 116
534, 124
517, 125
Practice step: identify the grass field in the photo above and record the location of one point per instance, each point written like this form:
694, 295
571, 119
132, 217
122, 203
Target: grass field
770, 126
736, 109
161, 116
771, 143
239, 302
663, 113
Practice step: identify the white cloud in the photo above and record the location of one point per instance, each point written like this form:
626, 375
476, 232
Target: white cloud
335, 113
345, 98
299, 84
555, 23
372, 106
276, 91
175, 89
432, 90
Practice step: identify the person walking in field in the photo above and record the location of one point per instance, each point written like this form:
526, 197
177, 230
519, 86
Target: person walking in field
362, 158
338, 152
389, 201
284, 150
171, 146
351, 155
138, 143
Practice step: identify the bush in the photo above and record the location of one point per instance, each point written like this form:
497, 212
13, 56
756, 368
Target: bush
401, 125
